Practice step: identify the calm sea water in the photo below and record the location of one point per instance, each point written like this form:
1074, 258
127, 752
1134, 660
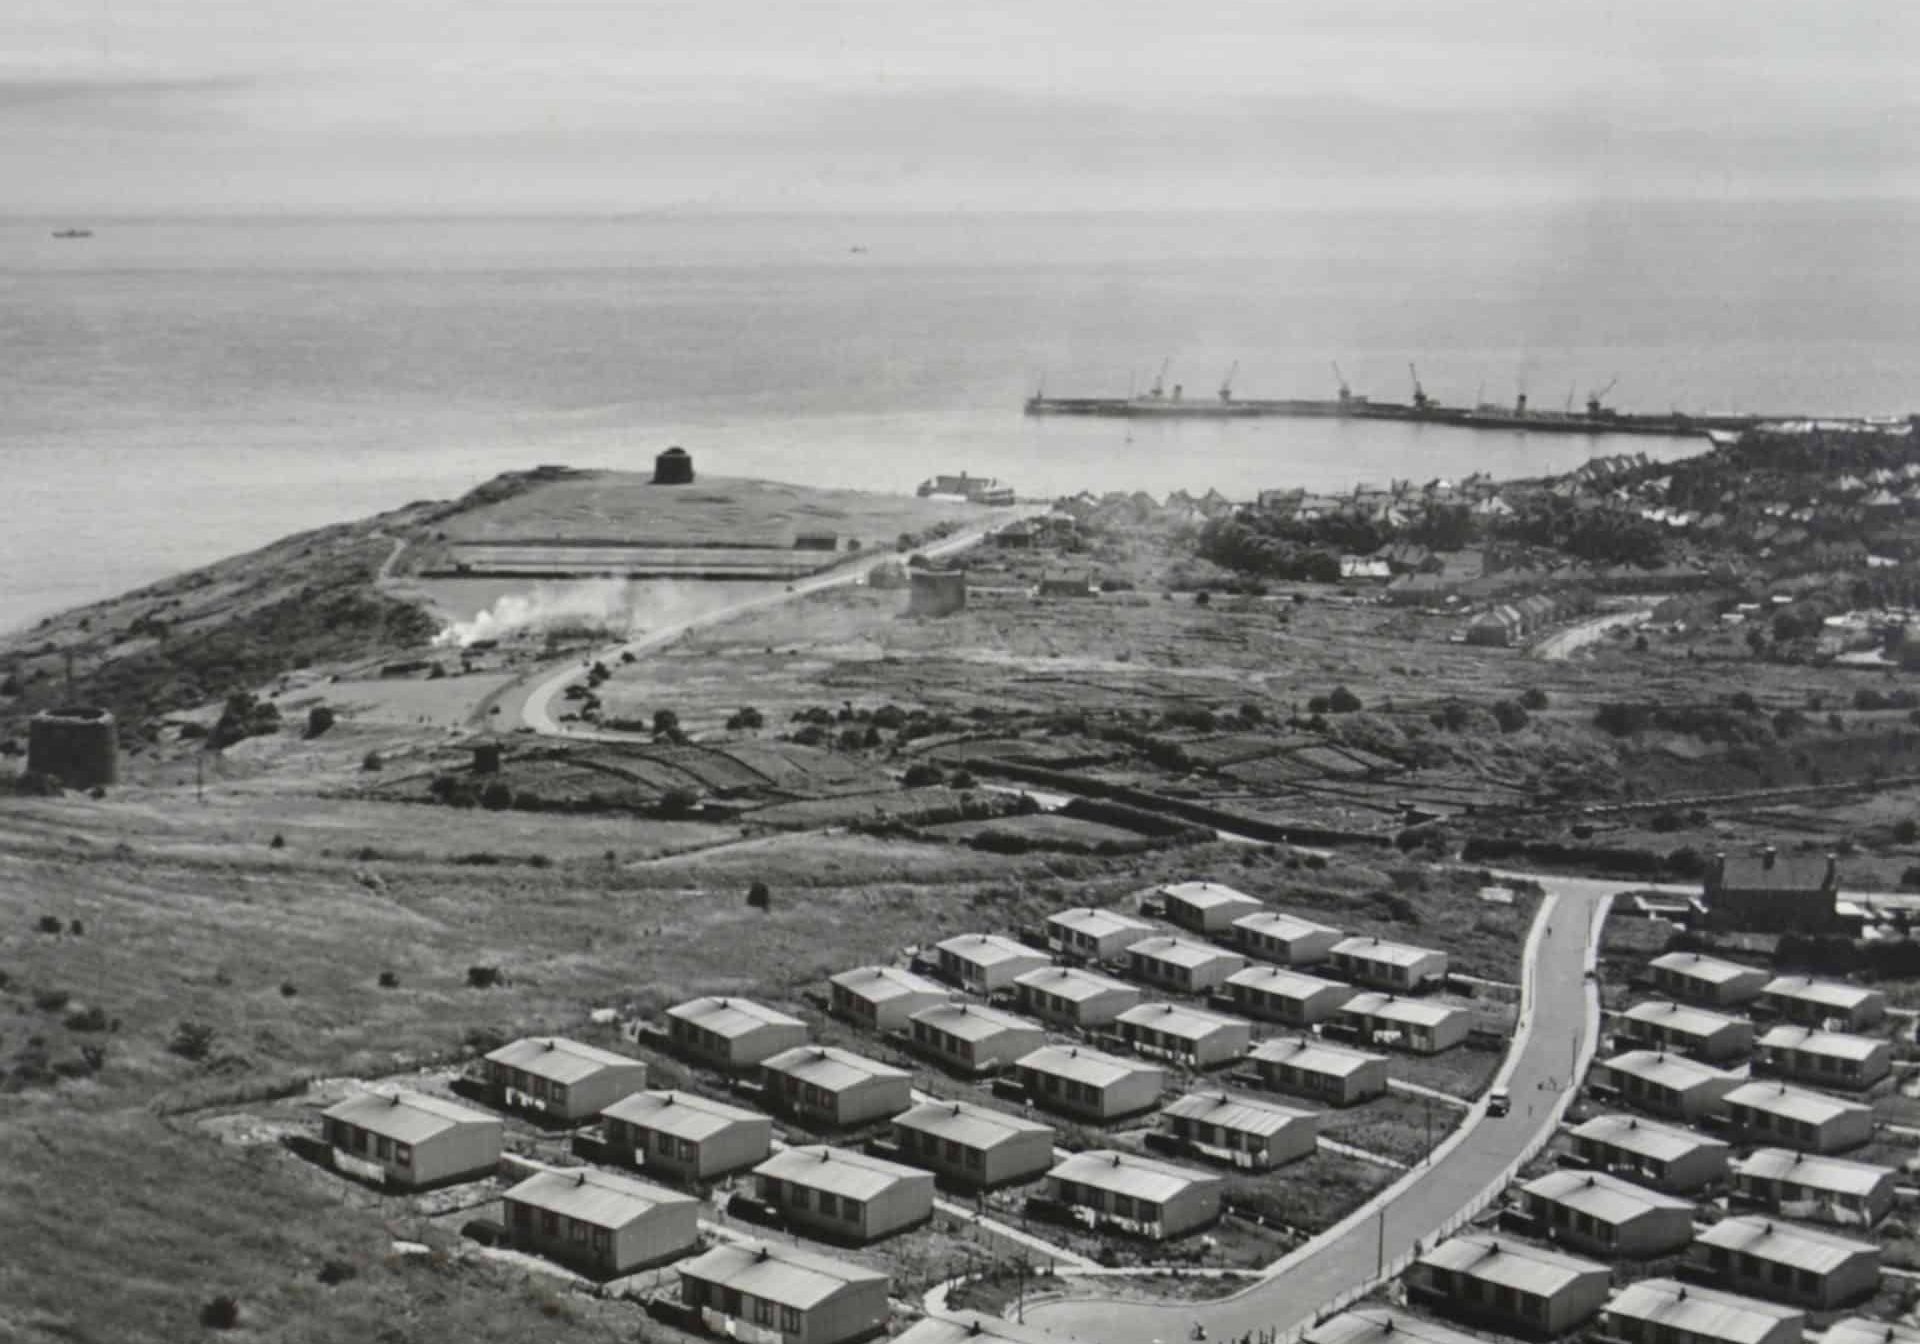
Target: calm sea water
175, 390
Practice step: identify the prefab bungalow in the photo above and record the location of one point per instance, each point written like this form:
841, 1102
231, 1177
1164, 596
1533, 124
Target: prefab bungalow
1383, 1325
1804, 1266
1307, 1067
1206, 907
1137, 1195
1791, 1117
553, 1076
1665, 1084
974, 1145
1181, 964
984, 962
1860, 1330
411, 1140
1089, 934
1190, 1036
784, 1293
1825, 1058
843, 1194
1419, 1026
971, 1327
1274, 935
1379, 964
1273, 994
1700, 1033
1814, 1187
1832, 1004
733, 1034
685, 1136
1654, 1155
1603, 1215
600, 1222
882, 998
1509, 1285
1077, 1081
1666, 1311
972, 1039
1072, 997
1242, 1132
825, 1085
1706, 980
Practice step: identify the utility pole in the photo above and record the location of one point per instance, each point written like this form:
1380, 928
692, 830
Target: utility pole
1429, 1101
1380, 1246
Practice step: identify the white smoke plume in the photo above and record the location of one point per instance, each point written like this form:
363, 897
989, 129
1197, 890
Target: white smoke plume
603, 604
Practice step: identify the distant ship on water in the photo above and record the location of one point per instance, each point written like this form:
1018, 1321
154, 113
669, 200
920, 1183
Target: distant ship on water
73, 233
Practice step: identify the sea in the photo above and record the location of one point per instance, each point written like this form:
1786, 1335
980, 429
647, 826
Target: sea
173, 390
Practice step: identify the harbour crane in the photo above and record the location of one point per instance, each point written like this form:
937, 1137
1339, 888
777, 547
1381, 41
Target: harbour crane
1596, 400
1226, 384
1419, 392
1159, 388
1346, 393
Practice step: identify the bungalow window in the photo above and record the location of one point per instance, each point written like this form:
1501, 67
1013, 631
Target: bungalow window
601, 1241
829, 1205
790, 1321
403, 1154
559, 1091
1146, 1211
798, 1193
975, 1158
577, 1230
664, 1142
540, 1089
1123, 1206
359, 1140
951, 1151
689, 1149
763, 1311
383, 1147
523, 1216
1781, 1274
549, 1223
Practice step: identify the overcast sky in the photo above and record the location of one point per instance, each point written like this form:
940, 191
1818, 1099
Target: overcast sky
536, 105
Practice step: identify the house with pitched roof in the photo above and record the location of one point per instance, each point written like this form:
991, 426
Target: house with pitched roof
600, 1222
1419, 1026
1786, 1262
826, 1086
971, 1038
1771, 892
1089, 934
1700, 1033
1306, 1066
1665, 1084
1288, 940
1814, 1187
1075, 1080
1830, 1004
1666, 1311
1708, 981
784, 1293
1071, 996
1137, 1195
1208, 908
1604, 1215
1794, 1117
1824, 1058
1510, 1285
1193, 1037
563, 1079
882, 998
974, 1146
842, 1194
984, 962
1182, 965
731, 1033
684, 1136
1293, 998
1651, 1154
1379, 964
410, 1139
1245, 1132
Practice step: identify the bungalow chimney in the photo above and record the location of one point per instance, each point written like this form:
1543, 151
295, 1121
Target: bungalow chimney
1767, 856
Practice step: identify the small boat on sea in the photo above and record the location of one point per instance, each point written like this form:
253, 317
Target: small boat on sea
73, 233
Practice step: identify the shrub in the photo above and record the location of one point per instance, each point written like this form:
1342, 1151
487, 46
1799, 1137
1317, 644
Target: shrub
76, 928
192, 1040
51, 1000
759, 897
482, 977
244, 715
922, 774
1906, 831
677, 803
1533, 698
388, 980
1343, 701
497, 796
220, 1313
1911, 877
279, 841
288, 989
665, 723
1320, 704
961, 779
337, 1272
49, 924
37, 784
319, 719
746, 719
372, 761
87, 1019
1510, 716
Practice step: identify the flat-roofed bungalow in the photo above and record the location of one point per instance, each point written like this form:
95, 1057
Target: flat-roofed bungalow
844, 1195
784, 1293
1771, 1258
1650, 1154
1181, 964
984, 962
1662, 1024
1139, 1195
1815, 1187
882, 998
1860, 1330
1189, 1036
1706, 980
685, 1136
1090, 934
600, 1222
1244, 1132
1509, 1284
1073, 997
1666, 1311
974, 1145
1823, 1003
1604, 1215
730, 1033
1383, 1325
1379, 964
1275, 994
1666, 1084
551, 1075
1077, 1081
825, 1085
410, 1139
1419, 1026
1824, 1058
1792, 1117
972, 1039
1308, 1067
1206, 907
1276, 936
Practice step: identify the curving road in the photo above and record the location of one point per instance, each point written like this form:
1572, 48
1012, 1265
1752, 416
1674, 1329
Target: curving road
1553, 1044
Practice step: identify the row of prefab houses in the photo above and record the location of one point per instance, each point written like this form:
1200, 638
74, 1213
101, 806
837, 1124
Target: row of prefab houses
1629, 1191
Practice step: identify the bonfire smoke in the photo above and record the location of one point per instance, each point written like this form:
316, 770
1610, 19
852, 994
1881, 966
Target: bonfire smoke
595, 604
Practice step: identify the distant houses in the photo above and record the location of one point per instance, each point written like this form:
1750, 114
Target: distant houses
411, 1140
686, 1136
731, 1033
1137, 1195
553, 1076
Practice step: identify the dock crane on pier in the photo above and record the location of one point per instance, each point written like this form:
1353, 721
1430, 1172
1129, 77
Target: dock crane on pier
1226, 384
1159, 388
1346, 393
1596, 400
1420, 402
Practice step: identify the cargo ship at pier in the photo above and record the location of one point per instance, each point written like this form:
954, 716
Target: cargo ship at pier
1163, 403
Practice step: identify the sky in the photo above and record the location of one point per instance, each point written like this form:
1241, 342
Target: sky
530, 106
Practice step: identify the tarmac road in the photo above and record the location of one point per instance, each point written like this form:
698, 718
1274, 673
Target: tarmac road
1547, 1053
